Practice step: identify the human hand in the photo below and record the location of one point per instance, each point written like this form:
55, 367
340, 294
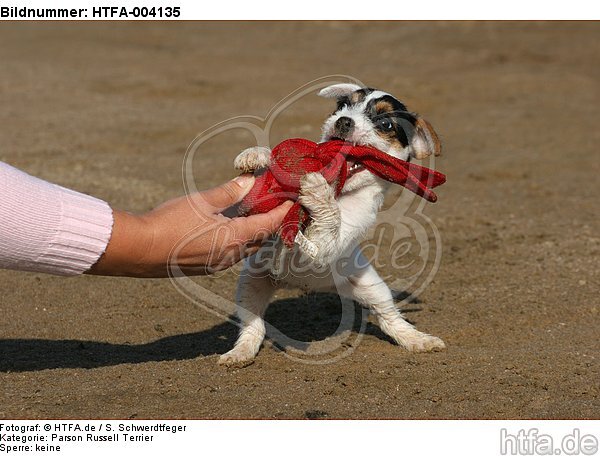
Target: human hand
190, 231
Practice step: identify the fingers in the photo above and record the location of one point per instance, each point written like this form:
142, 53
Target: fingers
260, 226
227, 194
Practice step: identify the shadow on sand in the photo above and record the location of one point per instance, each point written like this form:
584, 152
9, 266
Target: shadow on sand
308, 318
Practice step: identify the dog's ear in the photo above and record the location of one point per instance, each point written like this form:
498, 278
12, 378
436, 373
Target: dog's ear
339, 90
424, 141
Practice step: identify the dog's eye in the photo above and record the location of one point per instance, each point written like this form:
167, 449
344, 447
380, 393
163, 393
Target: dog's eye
385, 124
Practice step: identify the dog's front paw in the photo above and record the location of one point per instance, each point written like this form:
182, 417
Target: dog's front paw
253, 158
421, 343
319, 242
317, 196
315, 193
240, 356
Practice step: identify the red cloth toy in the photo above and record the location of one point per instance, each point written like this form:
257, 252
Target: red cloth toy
293, 158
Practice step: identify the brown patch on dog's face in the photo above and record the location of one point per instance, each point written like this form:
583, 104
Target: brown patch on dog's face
360, 95
391, 138
383, 106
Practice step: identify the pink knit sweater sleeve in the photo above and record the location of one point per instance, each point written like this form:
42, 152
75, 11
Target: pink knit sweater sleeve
48, 228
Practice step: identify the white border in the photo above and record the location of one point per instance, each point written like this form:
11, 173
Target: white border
348, 9
290, 438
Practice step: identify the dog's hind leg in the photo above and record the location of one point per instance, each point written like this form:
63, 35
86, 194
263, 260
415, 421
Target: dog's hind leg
252, 300
366, 287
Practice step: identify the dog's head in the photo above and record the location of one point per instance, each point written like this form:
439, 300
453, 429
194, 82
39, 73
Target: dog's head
375, 118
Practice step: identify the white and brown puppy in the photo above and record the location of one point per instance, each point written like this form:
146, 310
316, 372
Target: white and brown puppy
363, 116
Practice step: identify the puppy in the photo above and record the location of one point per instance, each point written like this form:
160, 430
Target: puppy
363, 116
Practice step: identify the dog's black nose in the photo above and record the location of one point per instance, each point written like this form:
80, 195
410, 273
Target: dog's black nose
344, 125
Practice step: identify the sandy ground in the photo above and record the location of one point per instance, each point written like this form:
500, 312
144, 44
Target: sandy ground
109, 109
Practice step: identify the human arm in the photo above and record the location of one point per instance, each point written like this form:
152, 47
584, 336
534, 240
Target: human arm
50, 229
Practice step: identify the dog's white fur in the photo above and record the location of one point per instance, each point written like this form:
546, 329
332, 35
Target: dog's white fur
336, 228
